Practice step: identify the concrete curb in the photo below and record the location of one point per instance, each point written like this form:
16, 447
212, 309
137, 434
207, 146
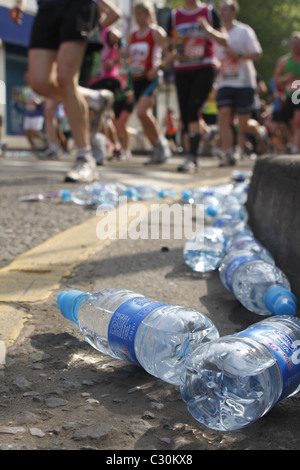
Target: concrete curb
274, 211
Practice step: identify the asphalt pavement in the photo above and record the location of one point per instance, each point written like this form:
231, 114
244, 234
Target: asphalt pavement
51, 245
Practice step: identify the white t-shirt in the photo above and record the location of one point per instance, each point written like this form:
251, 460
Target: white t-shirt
238, 73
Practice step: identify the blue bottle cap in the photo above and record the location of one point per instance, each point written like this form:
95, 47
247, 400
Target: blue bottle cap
68, 302
212, 211
280, 301
65, 194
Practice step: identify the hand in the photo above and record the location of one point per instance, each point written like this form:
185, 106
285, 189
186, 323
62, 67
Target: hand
16, 14
152, 74
290, 77
232, 53
108, 64
203, 23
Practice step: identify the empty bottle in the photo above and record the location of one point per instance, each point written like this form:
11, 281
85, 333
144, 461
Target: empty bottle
213, 208
232, 206
232, 226
240, 191
238, 175
128, 326
196, 195
234, 380
204, 251
247, 241
95, 194
260, 286
146, 192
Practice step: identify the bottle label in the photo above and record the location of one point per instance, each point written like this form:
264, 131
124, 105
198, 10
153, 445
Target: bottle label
234, 265
124, 324
240, 244
285, 350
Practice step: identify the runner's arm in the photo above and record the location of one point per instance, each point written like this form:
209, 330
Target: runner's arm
218, 35
279, 76
112, 13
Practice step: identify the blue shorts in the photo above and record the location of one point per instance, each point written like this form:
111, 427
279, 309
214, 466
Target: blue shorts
241, 100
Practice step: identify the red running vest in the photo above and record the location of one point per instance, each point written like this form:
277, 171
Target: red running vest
194, 47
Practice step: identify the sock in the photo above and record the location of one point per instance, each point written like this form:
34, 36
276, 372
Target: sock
85, 153
194, 140
53, 147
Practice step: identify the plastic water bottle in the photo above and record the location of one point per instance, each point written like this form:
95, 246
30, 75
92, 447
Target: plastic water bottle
128, 326
95, 194
234, 380
218, 200
240, 191
204, 251
232, 226
196, 195
247, 241
213, 208
238, 175
260, 286
232, 206
147, 192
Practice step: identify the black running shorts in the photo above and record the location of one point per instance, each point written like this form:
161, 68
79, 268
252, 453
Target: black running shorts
75, 20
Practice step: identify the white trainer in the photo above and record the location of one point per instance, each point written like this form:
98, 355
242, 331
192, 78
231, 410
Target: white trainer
83, 172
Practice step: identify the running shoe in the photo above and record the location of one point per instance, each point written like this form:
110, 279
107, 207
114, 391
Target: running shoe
125, 155
229, 159
263, 141
51, 153
189, 166
161, 153
83, 172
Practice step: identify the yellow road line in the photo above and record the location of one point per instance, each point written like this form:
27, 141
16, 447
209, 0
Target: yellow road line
34, 275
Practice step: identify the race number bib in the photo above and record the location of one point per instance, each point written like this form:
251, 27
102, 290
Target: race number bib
229, 68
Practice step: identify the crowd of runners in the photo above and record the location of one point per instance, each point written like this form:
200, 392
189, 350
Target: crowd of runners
225, 109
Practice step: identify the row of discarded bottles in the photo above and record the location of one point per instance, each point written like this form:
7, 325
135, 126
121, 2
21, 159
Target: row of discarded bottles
246, 267
227, 382
108, 194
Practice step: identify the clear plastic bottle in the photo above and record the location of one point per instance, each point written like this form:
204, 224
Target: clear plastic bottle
128, 326
240, 191
204, 251
232, 206
212, 208
146, 192
234, 380
259, 285
196, 195
246, 241
95, 194
231, 226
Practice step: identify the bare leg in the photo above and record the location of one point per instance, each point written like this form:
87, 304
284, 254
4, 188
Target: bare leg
225, 128
55, 75
51, 122
148, 121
